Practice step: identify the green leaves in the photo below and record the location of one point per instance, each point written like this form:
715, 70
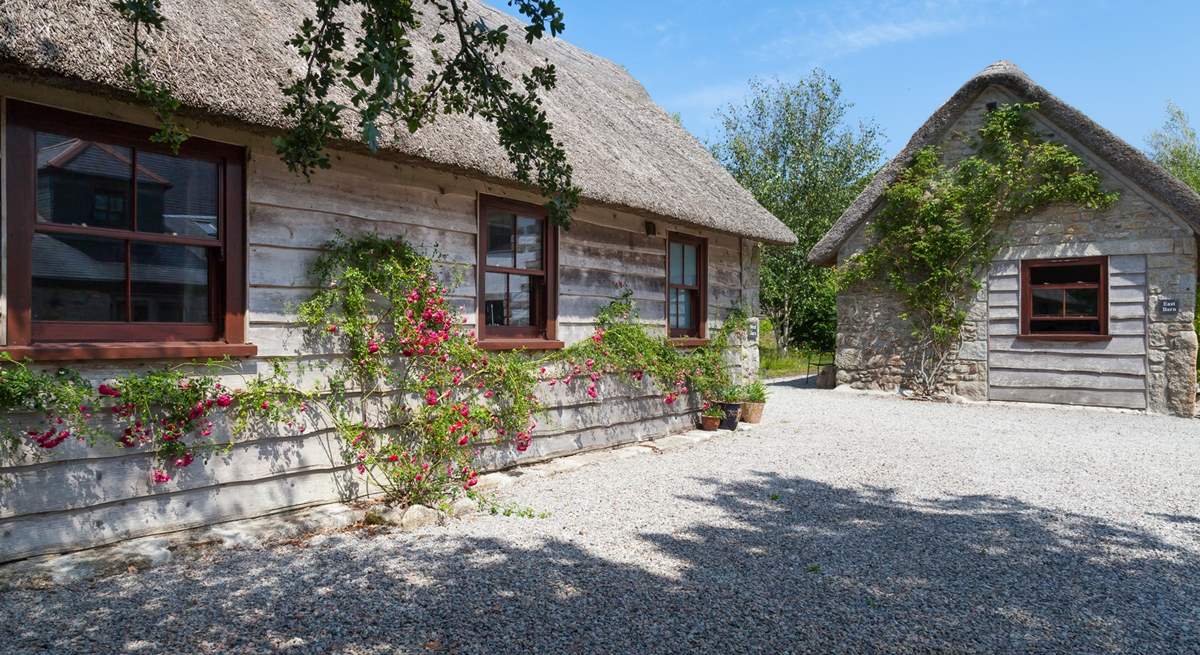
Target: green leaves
159, 95
379, 73
385, 96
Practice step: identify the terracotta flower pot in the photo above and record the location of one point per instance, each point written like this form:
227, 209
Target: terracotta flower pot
710, 423
732, 410
752, 412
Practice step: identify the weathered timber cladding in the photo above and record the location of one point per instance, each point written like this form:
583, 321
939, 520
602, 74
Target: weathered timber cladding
1100, 373
86, 497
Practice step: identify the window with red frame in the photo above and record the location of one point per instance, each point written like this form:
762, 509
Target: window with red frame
517, 272
1064, 298
686, 283
111, 238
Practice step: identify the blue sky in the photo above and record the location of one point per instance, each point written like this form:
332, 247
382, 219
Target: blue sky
898, 60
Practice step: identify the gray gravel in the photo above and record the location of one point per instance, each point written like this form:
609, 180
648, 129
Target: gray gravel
846, 523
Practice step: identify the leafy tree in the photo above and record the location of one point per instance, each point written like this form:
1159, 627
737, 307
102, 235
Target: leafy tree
791, 145
1175, 147
387, 92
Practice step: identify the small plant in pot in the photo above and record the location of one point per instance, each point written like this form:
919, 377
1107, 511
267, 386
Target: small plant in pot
710, 416
731, 408
754, 398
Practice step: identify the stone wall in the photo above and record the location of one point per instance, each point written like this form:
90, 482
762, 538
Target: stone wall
874, 345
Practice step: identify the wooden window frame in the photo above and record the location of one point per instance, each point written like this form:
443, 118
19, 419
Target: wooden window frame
678, 336
1101, 286
224, 334
543, 333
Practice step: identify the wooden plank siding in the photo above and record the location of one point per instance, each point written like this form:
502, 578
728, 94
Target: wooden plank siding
1106, 373
87, 497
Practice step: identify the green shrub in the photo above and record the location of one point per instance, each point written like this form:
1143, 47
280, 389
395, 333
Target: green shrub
755, 392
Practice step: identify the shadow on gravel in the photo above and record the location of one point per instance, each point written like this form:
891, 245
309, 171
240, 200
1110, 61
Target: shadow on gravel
802, 567
802, 382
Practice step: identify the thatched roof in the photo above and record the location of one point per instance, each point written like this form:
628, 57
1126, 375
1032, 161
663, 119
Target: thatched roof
226, 59
1126, 159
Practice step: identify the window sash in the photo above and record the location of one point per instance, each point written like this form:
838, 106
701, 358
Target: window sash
544, 290
1028, 318
698, 291
226, 267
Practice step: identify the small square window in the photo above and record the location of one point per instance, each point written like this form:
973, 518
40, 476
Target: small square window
1064, 298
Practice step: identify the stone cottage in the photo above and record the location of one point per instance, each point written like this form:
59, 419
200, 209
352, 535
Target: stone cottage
224, 237
1078, 307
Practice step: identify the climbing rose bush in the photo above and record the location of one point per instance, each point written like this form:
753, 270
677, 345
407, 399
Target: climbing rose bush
415, 397
406, 388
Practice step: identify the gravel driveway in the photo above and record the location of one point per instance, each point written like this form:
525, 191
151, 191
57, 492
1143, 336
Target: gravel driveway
846, 523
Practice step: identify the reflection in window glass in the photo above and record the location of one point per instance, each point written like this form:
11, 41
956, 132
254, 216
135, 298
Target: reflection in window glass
1082, 302
682, 309
495, 299
676, 263
78, 278
520, 300
500, 240
529, 243
82, 182
177, 195
1047, 302
170, 283
689, 264
508, 299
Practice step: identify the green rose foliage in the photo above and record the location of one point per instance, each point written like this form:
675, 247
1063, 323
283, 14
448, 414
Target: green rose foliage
937, 227
414, 396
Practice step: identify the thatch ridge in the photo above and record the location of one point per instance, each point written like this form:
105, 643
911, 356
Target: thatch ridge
1126, 159
226, 59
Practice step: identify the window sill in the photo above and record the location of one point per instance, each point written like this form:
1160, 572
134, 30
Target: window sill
521, 344
62, 352
1064, 337
687, 342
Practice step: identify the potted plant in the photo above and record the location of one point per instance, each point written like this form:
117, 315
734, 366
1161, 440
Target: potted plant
710, 416
754, 398
731, 408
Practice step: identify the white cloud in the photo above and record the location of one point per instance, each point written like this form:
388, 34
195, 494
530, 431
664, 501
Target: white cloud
870, 36
851, 28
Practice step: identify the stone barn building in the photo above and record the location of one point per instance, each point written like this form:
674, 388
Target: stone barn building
1078, 307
